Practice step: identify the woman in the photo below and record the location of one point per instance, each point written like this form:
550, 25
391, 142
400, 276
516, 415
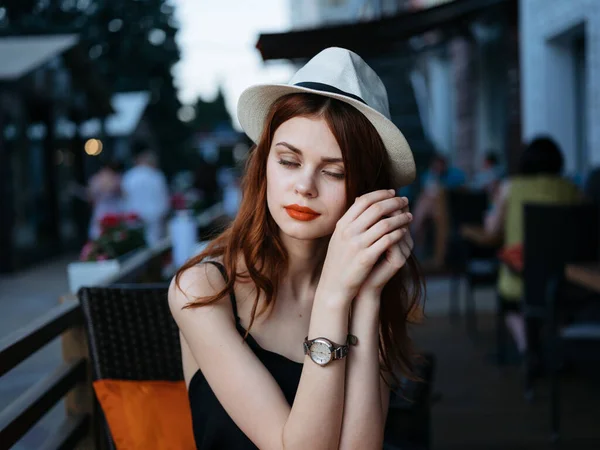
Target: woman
318, 258
539, 181
104, 193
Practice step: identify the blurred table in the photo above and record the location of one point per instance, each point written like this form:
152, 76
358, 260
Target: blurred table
586, 275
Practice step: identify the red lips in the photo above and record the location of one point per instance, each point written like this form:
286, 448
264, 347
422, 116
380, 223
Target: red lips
301, 213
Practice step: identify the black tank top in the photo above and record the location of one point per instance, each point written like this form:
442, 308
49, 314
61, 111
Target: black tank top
213, 428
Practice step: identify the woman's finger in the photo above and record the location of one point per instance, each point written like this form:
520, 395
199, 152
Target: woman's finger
406, 245
384, 243
404, 249
365, 201
385, 226
377, 211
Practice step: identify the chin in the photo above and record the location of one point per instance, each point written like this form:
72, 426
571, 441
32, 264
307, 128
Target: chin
295, 229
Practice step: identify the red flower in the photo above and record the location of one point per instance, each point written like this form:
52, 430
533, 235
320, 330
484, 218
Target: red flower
109, 220
178, 201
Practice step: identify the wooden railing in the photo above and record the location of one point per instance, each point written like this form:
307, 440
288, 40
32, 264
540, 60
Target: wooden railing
23, 413
71, 378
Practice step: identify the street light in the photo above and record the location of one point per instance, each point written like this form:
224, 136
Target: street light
93, 147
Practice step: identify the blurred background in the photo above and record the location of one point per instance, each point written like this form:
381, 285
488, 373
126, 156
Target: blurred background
121, 155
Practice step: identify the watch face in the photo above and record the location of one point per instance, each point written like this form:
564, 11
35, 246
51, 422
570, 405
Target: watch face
320, 352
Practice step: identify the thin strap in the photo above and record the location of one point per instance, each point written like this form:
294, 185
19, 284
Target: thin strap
221, 268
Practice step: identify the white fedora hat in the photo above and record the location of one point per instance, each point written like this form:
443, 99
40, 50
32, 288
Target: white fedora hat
341, 74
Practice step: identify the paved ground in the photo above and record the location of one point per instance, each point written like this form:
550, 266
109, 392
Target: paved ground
480, 406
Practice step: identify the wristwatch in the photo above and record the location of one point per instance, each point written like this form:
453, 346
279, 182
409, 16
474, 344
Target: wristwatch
322, 351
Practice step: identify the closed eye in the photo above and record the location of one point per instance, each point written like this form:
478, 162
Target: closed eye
283, 162
338, 176
286, 163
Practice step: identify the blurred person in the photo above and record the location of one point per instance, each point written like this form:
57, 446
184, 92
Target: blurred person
146, 193
431, 205
539, 180
488, 178
206, 182
104, 194
317, 259
231, 193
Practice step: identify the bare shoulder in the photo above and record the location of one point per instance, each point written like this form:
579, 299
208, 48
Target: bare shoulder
196, 283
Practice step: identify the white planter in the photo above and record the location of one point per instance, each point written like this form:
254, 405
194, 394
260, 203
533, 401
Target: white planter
91, 273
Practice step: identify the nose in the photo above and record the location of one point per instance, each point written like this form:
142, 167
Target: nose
305, 185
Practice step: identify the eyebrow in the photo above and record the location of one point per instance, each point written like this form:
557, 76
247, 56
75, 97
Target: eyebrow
299, 152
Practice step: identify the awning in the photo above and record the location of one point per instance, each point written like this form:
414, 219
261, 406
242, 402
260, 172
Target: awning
372, 37
20, 55
129, 108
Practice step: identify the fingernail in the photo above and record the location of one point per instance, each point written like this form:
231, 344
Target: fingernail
410, 216
392, 192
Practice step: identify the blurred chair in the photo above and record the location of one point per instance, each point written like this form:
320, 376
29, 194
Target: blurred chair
476, 263
408, 425
554, 237
592, 186
131, 336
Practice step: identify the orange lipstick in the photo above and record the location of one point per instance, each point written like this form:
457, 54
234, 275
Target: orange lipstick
301, 213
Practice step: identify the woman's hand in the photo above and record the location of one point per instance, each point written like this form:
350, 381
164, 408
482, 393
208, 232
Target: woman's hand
392, 261
371, 228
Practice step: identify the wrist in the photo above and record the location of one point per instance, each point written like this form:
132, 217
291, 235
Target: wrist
332, 299
371, 297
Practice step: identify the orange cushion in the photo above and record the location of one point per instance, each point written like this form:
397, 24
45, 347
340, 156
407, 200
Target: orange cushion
147, 414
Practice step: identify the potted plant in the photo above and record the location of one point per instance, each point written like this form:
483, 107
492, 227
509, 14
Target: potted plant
120, 236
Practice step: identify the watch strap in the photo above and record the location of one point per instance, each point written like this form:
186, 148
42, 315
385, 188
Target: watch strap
340, 352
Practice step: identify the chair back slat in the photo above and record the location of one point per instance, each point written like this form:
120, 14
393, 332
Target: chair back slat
555, 235
466, 207
131, 333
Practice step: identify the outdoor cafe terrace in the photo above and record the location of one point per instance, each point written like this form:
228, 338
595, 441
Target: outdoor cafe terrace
471, 395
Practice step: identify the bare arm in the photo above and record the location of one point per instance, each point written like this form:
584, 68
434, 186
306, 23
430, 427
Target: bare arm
315, 420
494, 221
367, 395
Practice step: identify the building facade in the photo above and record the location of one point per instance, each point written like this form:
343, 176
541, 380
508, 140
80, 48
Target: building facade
452, 89
51, 83
560, 59
316, 13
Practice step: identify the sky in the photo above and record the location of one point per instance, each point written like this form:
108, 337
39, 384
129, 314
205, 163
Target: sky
217, 39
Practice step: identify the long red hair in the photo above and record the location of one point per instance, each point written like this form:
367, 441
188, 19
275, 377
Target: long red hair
254, 235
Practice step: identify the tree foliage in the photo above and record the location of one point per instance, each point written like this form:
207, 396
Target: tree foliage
132, 44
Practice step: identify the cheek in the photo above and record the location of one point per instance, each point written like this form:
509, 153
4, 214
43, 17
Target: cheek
337, 202
275, 184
